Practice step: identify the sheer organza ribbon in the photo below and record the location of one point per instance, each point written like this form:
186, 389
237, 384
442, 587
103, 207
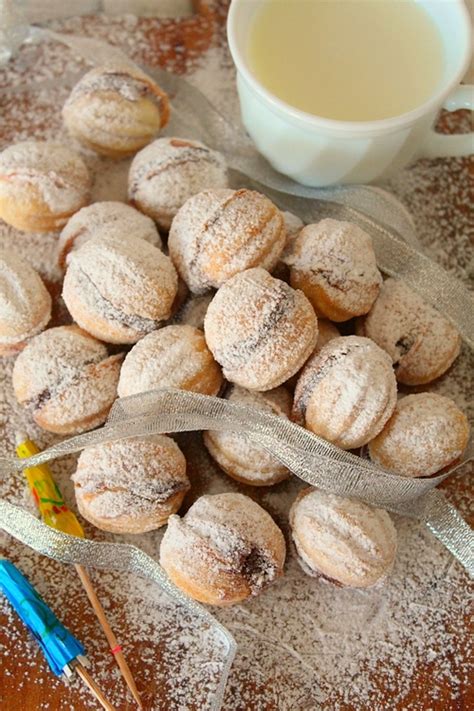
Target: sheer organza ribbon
311, 458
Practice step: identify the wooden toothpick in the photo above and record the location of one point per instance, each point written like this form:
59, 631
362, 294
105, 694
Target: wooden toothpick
89, 681
111, 638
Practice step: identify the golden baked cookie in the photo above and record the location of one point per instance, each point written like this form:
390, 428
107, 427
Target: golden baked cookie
426, 433
66, 379
346, 392
168, 172
25, 303
131, 485
344, 540
236, 454
41, 185
422, 343
333, 263
219, 233
105, 218
116, 110
260, 330
119, 289
225, 549
172, 357
326, 332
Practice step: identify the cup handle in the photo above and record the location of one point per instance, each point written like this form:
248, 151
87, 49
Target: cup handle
438, 145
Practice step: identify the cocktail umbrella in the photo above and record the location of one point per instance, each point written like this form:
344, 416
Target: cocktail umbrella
63, 652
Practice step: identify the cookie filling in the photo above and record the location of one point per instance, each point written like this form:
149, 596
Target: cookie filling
150, 170
130, 88
36, 403
258, 570
313, 375
403, 347
236, 354
105, 308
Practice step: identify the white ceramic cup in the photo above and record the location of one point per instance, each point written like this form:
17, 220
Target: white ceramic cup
318, 151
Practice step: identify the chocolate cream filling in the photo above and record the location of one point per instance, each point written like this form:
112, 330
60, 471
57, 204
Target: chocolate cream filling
130, 88
36, 403
316, 375
108, 310
151, 492
237, 354
403, 346
148, 171
341, 283
258, 570
237, 555
211, 221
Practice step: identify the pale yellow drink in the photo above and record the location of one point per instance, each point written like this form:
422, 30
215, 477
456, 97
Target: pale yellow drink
352, 60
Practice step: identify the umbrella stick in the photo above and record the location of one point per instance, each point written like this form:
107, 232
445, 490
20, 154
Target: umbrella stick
89, 681
111, 638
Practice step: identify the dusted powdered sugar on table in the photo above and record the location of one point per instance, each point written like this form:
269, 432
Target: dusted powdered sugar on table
304, 643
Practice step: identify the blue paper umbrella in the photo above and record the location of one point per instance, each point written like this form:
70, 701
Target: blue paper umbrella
58, 645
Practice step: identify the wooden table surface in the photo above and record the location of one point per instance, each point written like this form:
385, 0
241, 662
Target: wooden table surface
174, 42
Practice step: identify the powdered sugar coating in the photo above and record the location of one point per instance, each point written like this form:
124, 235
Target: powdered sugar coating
326, 332
115, 110
223, 550
171, 170
219, 233
174, 357
421, 341
426, 433
25, 303
104, 218
260, 330
236, 454
42, 183
132, 485
333, 263
346, 391
67, 380
119, 289
343, 539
